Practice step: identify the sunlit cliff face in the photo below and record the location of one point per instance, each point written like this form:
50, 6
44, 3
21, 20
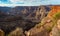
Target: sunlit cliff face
58, 23
54, 9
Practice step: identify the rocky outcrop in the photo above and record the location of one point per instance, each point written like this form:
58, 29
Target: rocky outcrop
56, 29
41, 30
2, 33
22, 17
32, 13
17, 32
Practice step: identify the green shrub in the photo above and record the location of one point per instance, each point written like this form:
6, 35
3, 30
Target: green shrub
56, 16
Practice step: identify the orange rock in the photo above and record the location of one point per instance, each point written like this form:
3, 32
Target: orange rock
54, 9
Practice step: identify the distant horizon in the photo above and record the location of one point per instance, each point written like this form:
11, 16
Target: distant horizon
13, 3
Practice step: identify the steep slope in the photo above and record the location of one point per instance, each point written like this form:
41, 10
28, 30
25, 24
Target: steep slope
32, 13
22, 17
54, 9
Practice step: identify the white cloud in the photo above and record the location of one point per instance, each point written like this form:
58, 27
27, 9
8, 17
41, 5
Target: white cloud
29, 3
17, 1
24, 1
13, 5
20, 3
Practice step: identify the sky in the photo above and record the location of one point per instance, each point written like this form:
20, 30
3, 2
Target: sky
12, 3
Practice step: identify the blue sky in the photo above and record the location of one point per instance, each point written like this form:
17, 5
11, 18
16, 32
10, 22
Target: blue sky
28, 2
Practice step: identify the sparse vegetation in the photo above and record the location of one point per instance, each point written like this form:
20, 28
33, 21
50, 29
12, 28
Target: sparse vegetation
35, 21
56, 16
